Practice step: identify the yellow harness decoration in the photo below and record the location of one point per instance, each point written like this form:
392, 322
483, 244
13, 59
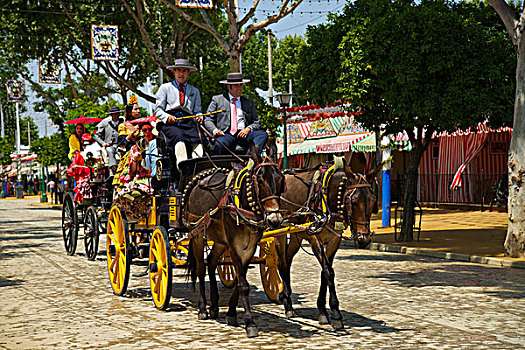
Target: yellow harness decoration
338, 164
238, 181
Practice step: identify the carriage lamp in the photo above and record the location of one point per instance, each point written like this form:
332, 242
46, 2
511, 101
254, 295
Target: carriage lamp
284, 101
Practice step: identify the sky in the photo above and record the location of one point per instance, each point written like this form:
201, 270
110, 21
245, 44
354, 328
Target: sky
309, 12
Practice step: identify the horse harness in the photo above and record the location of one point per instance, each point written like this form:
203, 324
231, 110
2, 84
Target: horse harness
317, 202
231, 200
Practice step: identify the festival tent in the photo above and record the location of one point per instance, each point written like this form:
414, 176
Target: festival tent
481, 153
325, 130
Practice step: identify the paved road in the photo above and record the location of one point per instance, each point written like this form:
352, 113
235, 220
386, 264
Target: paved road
389, 301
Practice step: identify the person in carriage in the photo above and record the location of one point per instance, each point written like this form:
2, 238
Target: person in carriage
238, 123
176, 100
75, 141
107, 135
133, 180
128, 131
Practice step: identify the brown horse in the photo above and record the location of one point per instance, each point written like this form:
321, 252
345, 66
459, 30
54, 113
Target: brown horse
350, 202
234, 223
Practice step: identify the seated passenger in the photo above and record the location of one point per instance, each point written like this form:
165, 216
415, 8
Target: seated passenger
151, 153
75, 141
238, 124
128, 131
175, 100
107, 135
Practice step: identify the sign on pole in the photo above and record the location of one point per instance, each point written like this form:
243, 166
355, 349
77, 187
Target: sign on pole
196, 4
104, 42
15, 90
48, 70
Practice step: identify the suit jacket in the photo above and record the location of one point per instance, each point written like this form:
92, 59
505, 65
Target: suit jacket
106, 133
221, 120
168, 101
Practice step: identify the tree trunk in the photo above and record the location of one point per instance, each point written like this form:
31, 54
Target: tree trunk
515, 240
234, 61
410, 191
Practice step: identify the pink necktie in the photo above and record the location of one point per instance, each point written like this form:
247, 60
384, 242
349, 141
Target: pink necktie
233, 118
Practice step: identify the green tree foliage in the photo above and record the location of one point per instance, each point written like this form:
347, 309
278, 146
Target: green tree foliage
286, 58
425, 66
6, 148
52, 149
319, 64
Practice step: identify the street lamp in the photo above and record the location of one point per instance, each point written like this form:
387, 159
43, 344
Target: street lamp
284, 101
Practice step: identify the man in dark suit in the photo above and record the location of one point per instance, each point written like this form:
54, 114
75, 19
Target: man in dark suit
238, 123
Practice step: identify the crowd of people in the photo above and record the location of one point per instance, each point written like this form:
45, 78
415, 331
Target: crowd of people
230, 120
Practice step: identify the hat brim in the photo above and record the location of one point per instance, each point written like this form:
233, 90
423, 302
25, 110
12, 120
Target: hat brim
121, 111
192, 69
229, 82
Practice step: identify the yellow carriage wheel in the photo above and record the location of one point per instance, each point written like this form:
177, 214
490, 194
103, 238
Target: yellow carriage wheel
226, 270
179, 255
118, 251
160, 273
270, 277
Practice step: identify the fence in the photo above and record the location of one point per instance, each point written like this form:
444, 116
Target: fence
478, 189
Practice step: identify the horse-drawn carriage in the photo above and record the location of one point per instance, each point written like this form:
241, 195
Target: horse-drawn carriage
88, 205
231, 208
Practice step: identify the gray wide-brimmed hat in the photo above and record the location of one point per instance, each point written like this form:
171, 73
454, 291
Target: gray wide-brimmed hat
234, 78
182, 63
114, 109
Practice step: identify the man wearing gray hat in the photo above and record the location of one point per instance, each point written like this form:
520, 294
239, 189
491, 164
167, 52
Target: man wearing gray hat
238, 122
176, 100
107, 135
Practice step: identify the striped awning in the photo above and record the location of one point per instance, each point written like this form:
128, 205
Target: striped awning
357, 143
401, 142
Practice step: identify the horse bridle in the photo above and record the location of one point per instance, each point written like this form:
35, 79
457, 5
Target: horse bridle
258, 207
362, 183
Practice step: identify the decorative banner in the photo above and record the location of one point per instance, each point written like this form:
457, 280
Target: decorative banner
15, 91
104, 42
321, 128
49, 70
351, 127
196, 4
293, 134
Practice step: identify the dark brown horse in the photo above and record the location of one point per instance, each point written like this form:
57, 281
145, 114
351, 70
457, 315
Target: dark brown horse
237, 225
350, 202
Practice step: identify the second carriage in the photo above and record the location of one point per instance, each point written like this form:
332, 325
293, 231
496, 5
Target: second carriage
88, 205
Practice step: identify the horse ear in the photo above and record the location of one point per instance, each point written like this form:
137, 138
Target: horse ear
254, 152
348, 172
375, 208
271, 147
236, 166
371, 175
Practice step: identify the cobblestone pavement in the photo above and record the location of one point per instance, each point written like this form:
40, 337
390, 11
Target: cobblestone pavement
388, 301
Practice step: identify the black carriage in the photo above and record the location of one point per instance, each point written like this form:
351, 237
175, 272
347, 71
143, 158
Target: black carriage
89, 213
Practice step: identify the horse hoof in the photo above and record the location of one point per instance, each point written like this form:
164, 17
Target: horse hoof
214, 314
323, 319
252, 332
232, 321
290, 314
337, 324
203, 315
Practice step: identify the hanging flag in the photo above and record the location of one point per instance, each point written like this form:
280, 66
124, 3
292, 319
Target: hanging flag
15, 91
104, 42
49, 70
196, 4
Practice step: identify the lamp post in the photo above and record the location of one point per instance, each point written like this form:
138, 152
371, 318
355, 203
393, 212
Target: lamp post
284, 101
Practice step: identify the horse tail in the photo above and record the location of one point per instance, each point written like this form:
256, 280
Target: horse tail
191, 266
